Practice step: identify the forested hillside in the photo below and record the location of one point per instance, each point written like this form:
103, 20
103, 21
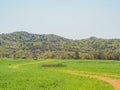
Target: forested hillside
26, 45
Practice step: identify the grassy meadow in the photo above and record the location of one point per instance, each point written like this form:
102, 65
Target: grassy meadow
52, 74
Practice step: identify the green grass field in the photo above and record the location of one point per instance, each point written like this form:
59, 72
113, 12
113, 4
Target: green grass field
32, 75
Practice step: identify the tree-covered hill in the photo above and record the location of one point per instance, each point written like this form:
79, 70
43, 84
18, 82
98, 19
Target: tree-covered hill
26, 45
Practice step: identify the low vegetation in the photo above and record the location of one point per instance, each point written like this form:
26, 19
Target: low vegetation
33, 74
53, 65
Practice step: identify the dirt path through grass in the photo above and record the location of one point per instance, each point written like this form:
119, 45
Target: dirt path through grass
18, 65
114, 83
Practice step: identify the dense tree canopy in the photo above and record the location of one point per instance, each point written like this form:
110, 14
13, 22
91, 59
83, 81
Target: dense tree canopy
26, 45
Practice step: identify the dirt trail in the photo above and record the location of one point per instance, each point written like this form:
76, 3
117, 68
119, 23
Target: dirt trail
97, 74
114, 83
18, 65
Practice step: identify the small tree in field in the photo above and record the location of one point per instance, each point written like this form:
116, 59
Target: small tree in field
77, 55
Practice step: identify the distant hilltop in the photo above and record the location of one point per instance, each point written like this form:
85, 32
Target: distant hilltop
25, 36
27, 45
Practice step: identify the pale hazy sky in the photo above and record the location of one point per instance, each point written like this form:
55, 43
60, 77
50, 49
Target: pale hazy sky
74, 19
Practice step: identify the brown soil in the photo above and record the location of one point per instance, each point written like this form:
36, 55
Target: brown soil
114, 83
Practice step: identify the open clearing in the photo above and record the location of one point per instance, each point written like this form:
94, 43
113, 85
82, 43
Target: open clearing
59, 74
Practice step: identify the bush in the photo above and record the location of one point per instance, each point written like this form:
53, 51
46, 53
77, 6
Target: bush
53, 65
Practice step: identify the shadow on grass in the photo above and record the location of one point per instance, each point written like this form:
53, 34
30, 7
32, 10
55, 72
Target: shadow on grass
53, 65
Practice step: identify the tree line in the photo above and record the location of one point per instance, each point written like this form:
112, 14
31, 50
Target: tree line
25, 45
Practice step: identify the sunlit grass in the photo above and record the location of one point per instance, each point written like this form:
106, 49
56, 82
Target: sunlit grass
30, 75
